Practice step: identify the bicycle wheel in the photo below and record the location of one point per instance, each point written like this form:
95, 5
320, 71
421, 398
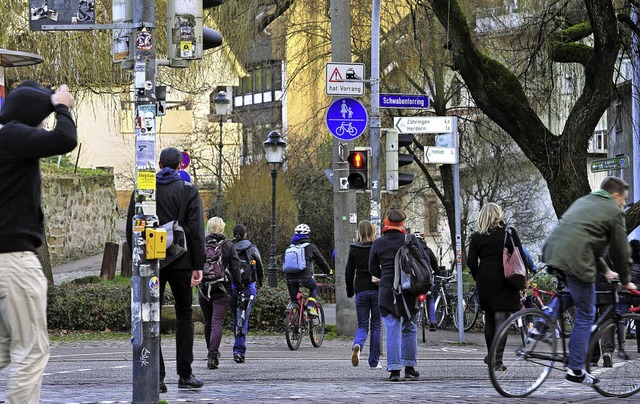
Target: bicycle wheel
518, 365
623, 379
441, 311
316, 327
292, 326
424, 320
470, 311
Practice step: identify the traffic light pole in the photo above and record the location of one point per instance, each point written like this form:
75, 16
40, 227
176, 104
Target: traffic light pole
374, 120
344, 202
145, 284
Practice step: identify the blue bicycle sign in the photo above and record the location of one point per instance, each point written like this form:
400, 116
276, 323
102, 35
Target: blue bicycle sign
347, 118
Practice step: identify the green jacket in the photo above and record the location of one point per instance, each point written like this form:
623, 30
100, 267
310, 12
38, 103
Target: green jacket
577, 243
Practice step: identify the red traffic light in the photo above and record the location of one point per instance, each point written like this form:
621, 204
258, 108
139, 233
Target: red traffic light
358, 160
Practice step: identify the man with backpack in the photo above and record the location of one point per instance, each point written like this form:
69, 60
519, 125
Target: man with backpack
297, 265
251, 270
174, 198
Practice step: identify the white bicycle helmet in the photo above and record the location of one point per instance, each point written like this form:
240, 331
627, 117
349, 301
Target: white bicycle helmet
302, 229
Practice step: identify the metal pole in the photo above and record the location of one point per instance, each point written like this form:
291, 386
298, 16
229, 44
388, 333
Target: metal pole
272, 270
344, 203
635, 112
219, 195
375, 121
145, 290
456, 207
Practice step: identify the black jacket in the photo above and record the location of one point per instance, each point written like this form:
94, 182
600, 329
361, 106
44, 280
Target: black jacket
485, 262
244, 246
382, 265
168, 198
311, 255
21, 146
358, 268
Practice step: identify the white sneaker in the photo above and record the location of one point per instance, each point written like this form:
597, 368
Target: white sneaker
355, 355
378, 366
581, 377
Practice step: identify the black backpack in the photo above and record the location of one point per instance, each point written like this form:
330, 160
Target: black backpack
248, 272
413, 275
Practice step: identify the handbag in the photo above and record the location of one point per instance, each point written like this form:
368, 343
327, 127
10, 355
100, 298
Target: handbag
515, 272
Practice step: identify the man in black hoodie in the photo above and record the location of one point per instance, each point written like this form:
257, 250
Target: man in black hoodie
24, 340
185, 272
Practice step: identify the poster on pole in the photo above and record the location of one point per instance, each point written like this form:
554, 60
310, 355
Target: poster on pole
60, 12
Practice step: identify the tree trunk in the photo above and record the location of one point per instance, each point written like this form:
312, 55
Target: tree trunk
43, 255
125, 261
109, 260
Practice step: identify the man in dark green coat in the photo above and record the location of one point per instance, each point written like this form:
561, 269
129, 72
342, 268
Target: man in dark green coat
575, 247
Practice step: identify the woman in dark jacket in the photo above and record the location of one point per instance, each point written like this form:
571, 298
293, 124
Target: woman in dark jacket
401, 340
497, 298
214, 299
367, 310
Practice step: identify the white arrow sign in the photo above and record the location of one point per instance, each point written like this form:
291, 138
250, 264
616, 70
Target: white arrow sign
423, 124
440, 155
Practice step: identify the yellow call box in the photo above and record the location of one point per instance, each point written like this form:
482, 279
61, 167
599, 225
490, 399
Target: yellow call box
156, 240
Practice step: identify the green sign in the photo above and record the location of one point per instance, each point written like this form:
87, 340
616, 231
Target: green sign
615, 163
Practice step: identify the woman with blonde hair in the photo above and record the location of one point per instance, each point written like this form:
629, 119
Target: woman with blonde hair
497, 297
366, 293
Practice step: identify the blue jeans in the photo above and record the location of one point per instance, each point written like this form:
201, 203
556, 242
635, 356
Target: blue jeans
582, 295
368, 314
402, 342
239, 345
431, 308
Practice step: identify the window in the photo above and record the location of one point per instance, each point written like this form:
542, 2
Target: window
262, 84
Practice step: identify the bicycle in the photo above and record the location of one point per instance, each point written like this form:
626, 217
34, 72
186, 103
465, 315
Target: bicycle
422, 317
446, 304
298, 322
540, 298
519, 363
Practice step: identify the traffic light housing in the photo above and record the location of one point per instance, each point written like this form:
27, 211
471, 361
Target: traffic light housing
395, 160
186, 37
358, 168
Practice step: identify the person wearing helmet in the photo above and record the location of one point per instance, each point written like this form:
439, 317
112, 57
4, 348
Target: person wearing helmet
305, 278
433, 262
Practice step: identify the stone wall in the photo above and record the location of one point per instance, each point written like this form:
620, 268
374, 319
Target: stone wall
79, 215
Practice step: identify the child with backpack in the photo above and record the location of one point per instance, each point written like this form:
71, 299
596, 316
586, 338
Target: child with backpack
297, 269
221, 273
242, 299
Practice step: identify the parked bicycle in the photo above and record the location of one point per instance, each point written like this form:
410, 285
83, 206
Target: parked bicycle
446, 304
525, 362
539, 298
298, 322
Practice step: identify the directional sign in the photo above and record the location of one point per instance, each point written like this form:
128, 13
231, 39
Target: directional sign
347, 118
404, 101
423, 124
615, 163
342, 79
440, 155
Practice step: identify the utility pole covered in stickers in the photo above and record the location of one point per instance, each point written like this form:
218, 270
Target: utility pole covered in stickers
149, 240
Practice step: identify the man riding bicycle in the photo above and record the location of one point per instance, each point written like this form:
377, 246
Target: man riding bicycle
575, 248
304, 277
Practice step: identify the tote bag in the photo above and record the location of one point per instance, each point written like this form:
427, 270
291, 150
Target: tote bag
515, 272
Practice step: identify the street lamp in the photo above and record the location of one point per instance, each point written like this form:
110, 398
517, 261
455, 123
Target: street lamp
274, 151
222, 106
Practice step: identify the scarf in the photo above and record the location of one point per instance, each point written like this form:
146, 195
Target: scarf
389, 225
298, 237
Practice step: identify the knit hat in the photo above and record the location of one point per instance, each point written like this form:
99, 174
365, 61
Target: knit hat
29, 103
170, 157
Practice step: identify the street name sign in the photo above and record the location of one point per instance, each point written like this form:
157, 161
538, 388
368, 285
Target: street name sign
423, 124
344, 79
347, 118
440, 155
614, 163
404, 101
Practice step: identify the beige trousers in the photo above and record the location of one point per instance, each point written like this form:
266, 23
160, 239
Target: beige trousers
24, 340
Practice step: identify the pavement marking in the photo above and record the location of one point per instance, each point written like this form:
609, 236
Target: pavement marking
68, 371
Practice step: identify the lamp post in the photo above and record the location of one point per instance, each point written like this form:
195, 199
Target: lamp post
222, 106
274, 152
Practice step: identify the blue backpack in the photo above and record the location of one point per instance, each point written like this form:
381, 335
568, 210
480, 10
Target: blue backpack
294, 259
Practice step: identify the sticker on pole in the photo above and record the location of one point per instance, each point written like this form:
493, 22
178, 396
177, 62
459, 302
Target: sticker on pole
347, 118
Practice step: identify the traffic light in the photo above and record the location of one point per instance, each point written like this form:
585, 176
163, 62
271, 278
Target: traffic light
395, 160
186, 37
358, 168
